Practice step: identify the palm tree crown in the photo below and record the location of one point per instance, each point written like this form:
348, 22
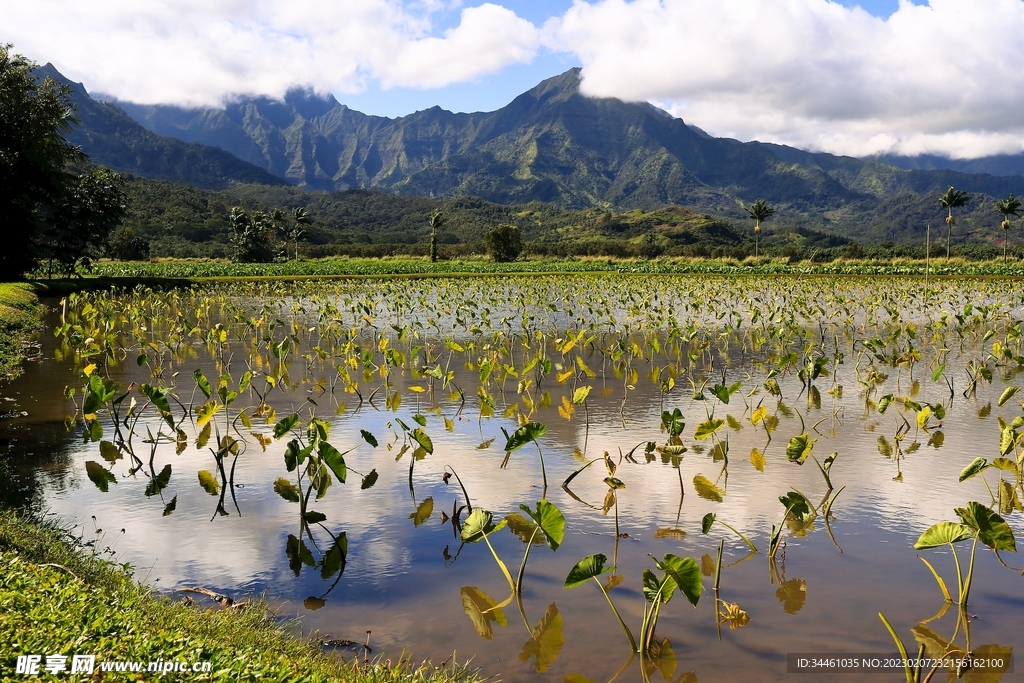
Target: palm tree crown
953, 199
759, 211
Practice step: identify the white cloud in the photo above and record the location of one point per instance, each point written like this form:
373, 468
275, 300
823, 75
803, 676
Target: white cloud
944, 77
198, 53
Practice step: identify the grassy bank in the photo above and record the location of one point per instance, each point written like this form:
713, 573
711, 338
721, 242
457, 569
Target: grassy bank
341, 267
55, 599
20, 315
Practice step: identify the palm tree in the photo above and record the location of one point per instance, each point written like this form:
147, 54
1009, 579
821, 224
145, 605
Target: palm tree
759, 211
953, 199
437, 220
300, 217
1008, 207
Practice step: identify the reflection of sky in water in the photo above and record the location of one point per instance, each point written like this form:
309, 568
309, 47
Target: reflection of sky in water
398, 585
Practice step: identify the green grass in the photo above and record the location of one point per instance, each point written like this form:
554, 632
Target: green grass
55, 599
344, 267
20, 314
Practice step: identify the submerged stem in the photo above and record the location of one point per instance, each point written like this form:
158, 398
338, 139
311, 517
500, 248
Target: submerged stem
629, 634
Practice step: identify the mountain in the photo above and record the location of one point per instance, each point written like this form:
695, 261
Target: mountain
553, 144
1000, 164
113, 139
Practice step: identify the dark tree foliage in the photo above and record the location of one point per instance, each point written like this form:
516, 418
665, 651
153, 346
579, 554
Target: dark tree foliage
504, 243
60, 219
81, 221
254, 236
126, 245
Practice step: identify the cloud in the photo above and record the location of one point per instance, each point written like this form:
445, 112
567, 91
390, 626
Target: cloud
940, 78
199, 53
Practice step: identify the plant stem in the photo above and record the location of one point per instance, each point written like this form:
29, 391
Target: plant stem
629, 634
501, 565
522, 568
970, 574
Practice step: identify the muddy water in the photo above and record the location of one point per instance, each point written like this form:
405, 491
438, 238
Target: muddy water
408, 580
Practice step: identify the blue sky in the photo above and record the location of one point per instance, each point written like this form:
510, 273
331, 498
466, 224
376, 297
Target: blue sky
492, 92
879, 76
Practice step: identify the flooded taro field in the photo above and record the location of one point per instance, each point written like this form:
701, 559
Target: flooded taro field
563, 478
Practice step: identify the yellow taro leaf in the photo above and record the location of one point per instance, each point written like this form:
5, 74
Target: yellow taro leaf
417, 389
89, 369
922, 416
562, 376
759, 415
707, 490
757, 459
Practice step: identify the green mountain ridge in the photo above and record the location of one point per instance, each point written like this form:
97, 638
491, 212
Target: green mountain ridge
113, 139
553, 144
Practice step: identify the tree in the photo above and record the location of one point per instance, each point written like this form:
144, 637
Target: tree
503, 243
953, 199
253, 236
125, 245
300, 217
34, 117
437, 220
759, 211
81, 220
1008, 207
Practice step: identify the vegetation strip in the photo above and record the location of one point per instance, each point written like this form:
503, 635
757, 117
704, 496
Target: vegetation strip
54, 599
20, 315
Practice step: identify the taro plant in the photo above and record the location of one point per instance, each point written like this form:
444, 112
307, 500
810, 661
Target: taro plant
677, 573
977, 523
524, 435
546, 524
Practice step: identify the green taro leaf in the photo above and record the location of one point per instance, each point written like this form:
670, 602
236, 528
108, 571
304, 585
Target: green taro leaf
524, 435
884, 402
286, 490
202, 382
368, 437
423, 440
587, 568
686, 573
1007, 394
99, 475
550, 520
938, 372
479, 523
334, 460
707, 428
706, 522
654, 590
942, 533
312, 517
286, 425
580, 395
209, 482
799, 447
977, 465
798, 505
992, 529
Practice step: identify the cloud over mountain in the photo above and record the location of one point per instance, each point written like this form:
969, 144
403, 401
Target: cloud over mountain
943, 77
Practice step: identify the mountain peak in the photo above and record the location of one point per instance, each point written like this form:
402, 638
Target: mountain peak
558, 88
